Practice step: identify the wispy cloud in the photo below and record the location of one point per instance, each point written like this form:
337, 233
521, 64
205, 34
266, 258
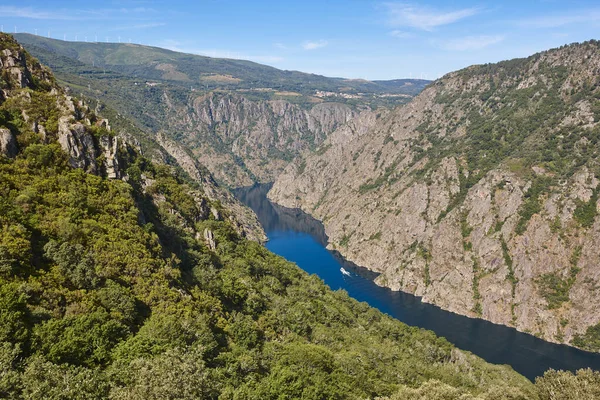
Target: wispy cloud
280, 45
31, 13
425, 18
312, 45
401, 34
555, 21
69, 14
138, 26
470, 43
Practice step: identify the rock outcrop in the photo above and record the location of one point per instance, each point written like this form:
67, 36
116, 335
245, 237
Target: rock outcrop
78, 143
480, 195
91, 144
110, 147
8, 143
241, 217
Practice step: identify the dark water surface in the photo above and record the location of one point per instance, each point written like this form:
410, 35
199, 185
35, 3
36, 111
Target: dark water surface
301, 239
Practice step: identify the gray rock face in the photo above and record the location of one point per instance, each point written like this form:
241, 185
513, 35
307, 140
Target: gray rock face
8, 143
209, 239
240, 140
19, 71
242, 217
390, 206
14, 62
79, 145
110, 146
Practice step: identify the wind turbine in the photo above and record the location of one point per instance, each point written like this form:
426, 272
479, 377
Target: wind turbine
15, 29
2, 28
119, 39
36, 32
65, 36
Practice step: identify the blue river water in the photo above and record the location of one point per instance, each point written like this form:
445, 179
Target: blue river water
301, 239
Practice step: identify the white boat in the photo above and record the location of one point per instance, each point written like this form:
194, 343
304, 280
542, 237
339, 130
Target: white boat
343, 271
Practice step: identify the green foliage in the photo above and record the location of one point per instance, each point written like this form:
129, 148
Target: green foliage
381, 180
477, 308
561, 385
116, 295
375, 236
74, 263
346, 239
531, 204
106, 292
82, 340
508, 261
554, 289
14, 314
43, 380
586, 212
590, 340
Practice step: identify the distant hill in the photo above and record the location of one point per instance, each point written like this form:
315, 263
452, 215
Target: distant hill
243, 120
207, 72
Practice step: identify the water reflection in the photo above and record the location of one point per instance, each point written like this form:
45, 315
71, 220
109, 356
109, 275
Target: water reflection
301, 239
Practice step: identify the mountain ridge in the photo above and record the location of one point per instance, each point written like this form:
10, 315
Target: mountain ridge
112, 55
243, 132
480, 193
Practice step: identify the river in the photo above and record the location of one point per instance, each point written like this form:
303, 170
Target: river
301, 239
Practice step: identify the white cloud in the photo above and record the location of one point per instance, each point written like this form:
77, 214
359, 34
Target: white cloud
314, 45
425, 18
555, 21
401, 34
469, 43
29, 12
280, 45
137, 26
68, 14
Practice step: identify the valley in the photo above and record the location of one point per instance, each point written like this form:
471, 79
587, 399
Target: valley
299, 238
466, 205
244, 121
478, 196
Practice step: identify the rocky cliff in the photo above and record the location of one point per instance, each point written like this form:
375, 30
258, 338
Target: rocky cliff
242, 217
480, 195
243, 121
47, 114
242, 141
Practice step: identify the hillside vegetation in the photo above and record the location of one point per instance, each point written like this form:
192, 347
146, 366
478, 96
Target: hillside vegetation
481, 194
215, 73
121, 279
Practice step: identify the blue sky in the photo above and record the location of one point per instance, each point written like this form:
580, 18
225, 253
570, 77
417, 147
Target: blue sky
351, 38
